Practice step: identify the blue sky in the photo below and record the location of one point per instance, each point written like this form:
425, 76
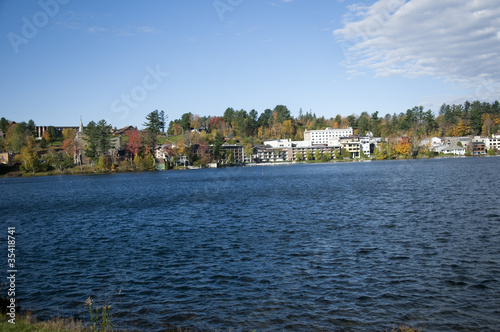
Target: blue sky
120, 60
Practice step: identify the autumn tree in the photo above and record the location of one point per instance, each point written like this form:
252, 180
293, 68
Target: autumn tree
17, 136
69, 133
403, 148
29, 157
134, 144
488, 124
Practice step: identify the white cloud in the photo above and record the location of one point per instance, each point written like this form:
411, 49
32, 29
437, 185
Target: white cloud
453, 39
96, 29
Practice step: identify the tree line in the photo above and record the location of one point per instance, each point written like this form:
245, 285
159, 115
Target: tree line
236, 126
476, 118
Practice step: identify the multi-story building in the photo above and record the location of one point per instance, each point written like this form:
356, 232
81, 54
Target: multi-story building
493, 142
352, 145
464, 141
367, 145
478, 148
326, 135
238, 152
267, 153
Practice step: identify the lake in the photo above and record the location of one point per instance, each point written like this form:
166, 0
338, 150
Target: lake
311, 247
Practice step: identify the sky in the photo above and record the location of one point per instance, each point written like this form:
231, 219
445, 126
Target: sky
62, 60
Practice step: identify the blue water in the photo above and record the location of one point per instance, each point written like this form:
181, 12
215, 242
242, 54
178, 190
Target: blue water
321, 247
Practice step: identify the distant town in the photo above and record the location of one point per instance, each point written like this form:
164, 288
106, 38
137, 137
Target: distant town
241, 138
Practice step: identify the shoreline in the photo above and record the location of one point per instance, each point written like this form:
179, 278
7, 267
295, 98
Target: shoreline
77, 171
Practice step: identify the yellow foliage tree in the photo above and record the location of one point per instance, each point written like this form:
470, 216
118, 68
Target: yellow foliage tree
69, 133
46, 135
29, 157
463, 129
403, 148
288, 128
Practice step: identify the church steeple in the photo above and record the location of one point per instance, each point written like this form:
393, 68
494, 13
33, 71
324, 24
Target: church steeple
80, 130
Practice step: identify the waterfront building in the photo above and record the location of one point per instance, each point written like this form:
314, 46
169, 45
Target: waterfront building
492, 142
238, 152
431, 142
450, 149
352, 145
478, 148
367, 145
326, 135
465, 141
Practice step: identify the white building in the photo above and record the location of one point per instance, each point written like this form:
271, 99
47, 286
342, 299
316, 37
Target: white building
492, 142
327, 136
451, 149
279, 143
431, 142
365, 145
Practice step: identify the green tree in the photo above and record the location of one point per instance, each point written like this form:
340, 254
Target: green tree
230, 157
309, 155
163, 119
217, 146
154, 124
104, 164
248, 149
43, 143
252, 122
138, 163
52, 159
16, 137
363, 123
31, 127
149, 162
283, 113
317, 155
4, 125
298, 156
228, 115
98, 137
326, 157
53, 133
353, 122
345, 153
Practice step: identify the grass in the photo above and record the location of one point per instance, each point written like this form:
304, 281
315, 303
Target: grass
26, 322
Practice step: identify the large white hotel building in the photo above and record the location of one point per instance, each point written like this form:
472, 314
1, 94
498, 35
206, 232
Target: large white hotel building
327, 136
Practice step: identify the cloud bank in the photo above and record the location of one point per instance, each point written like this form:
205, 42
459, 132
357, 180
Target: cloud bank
458, 40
